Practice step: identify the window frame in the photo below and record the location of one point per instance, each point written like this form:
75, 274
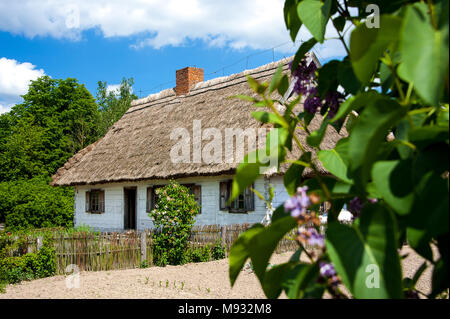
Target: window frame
190, 186
247, 198
99, 195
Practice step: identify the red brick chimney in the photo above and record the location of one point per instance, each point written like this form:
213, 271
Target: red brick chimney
186, 78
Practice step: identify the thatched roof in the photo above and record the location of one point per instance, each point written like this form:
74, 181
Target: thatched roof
138, 146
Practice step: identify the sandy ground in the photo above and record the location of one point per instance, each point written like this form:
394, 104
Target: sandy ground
197, 280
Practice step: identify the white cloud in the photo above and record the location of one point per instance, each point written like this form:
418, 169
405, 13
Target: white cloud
14, 80
257, 24
115, 88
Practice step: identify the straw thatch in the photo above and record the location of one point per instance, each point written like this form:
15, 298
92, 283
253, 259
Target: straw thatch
137, 147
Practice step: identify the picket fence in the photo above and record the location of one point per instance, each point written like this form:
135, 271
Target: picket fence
92, 251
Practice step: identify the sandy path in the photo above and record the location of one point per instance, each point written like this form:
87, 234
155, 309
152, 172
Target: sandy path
200, 280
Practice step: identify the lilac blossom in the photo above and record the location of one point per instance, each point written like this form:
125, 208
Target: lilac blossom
298, 203
328, 273
311, 237
305, 77
356, 205
333, 99
312, 103
327, 269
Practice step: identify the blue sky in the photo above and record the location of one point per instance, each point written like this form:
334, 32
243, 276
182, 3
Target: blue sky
101, 40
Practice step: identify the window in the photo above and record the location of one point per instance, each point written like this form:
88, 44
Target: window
243, 203
95, 201
196, 190
150, 202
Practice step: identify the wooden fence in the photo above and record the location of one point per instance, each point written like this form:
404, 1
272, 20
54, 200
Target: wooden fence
92, 251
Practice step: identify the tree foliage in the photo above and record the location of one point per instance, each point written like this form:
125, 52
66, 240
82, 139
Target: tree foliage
113, 104
391, 91
56, 119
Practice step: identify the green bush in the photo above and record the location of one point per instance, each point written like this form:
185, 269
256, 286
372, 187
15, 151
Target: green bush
173, 218
29, 266
197, 254
35, 204
218, 251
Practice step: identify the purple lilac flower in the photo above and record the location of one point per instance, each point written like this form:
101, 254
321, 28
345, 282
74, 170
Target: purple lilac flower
298, 203
311, 237
333, 100
312, 103
328, 273
355, 206
304, 75
327, 269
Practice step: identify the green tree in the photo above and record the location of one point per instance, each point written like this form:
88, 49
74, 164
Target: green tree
392, 170
113, 104
34, 203
56, 119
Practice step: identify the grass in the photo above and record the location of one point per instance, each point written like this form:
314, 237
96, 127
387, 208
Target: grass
3, 287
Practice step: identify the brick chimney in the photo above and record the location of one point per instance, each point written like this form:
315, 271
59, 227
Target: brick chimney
186, 78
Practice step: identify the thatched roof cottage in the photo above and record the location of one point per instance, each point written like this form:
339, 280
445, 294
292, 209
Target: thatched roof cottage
115, 177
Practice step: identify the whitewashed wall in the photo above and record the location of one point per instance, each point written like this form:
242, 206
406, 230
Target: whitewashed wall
113, 218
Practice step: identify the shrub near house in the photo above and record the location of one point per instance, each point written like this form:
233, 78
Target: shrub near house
173, 217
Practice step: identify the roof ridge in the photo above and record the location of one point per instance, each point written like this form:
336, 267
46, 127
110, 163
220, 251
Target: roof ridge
210, 83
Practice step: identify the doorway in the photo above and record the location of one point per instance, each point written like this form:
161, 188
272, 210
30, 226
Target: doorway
130, 208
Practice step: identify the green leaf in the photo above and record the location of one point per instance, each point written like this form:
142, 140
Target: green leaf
239, 251
263, 245
314, 15
279, 213
333, 163
267, 117
339, 23
368, 134
296, 256
315, 138
424, 136
386, 78
302, 50
299, 278
439, 278
327, 79
360, 253
367, 45
418, 273
424, 52
246, 173
258, 243
291, 19
272, 285
432, 197
284, 85
259, 88
244, 97
276, 79
347, 78
439, 281
293, 175
393, 181
355, 103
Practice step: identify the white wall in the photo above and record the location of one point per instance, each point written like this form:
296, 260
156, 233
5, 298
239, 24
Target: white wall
113, 218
